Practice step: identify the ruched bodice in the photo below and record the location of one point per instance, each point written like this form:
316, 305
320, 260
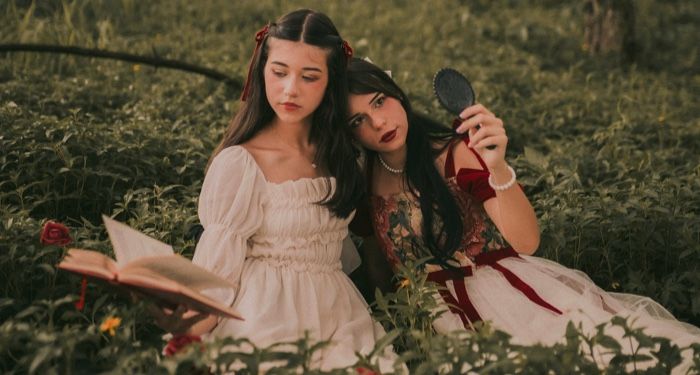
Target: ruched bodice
296, 232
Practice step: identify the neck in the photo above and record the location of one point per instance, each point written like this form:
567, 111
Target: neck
395, 159
292, 134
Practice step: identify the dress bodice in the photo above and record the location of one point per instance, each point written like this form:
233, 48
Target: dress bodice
295, 230
398, 224
397, 218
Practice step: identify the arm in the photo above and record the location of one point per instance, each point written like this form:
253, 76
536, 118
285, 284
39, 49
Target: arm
513, 215
230, 211
510, 211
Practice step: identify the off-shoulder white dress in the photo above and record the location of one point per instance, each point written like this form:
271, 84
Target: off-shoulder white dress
282, 251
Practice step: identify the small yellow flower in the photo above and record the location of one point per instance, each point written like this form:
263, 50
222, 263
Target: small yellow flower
136, 68
404, 283
110, 325
615, 285
661, 119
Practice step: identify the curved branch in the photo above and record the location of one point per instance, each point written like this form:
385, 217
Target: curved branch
155, 60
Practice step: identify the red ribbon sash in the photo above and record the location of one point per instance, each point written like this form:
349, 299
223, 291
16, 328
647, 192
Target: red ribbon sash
462, 305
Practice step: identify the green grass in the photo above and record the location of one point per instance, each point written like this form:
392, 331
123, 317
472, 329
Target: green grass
609, 154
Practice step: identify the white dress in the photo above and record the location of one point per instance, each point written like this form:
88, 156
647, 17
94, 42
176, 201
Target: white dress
282, 251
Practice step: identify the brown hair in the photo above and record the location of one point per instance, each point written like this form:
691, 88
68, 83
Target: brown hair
328, 132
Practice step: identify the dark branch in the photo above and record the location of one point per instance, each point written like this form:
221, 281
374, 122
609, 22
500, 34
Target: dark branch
100, 53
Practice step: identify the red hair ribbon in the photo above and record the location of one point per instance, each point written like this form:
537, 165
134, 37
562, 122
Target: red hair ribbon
259, 37
347, 50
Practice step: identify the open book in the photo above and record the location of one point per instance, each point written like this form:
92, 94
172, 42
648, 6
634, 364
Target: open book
150, 268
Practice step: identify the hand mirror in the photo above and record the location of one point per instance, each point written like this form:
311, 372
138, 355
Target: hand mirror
454, 92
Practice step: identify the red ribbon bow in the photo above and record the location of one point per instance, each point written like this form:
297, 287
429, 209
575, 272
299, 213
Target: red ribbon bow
347, 50
259, 37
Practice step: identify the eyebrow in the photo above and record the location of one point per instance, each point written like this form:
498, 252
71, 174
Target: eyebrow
305, 68
370, 102
374, 97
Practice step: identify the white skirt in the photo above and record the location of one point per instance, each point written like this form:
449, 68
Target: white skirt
284, 302
534, 299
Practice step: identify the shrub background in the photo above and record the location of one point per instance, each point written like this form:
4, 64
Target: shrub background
609, 154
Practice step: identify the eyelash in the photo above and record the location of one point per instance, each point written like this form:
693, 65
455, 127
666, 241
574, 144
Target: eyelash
357, 121
307, 79
380, 101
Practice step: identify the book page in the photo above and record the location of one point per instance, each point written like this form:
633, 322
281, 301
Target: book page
89, 263
170, 293
130, 244
178, 268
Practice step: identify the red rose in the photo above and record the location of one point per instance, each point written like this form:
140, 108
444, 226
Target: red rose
55, 234
365, 371
179, 342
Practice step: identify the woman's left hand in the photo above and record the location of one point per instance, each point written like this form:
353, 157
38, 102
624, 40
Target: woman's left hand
485, 129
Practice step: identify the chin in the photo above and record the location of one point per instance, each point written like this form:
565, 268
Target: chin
392, 146
287, 117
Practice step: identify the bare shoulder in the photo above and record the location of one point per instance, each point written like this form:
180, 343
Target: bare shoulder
463, 157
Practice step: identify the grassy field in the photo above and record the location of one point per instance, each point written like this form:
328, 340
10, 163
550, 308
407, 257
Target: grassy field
609, 154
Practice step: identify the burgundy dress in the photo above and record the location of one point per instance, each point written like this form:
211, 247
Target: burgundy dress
531, 298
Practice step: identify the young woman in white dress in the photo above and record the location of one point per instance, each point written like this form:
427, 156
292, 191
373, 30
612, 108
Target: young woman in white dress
277, 198
432, 188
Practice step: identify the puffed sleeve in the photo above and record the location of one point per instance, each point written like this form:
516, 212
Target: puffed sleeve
476, 183
230, 210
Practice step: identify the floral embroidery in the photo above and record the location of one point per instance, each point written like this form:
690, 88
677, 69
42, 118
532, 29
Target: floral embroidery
397, 220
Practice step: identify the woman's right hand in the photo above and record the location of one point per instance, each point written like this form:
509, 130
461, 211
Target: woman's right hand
178, 321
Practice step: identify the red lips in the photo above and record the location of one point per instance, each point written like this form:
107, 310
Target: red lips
388, 136
289, 106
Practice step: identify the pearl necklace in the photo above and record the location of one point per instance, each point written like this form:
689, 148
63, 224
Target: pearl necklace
388, 168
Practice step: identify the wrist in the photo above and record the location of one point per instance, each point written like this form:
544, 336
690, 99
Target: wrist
500, 173
501, 186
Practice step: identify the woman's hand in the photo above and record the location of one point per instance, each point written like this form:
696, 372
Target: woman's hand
511, 211
178, 321
485, 129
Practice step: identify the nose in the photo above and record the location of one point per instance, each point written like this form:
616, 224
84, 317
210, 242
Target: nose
290, 87
378, 122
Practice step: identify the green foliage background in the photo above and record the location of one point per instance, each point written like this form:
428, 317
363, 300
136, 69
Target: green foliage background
609, 154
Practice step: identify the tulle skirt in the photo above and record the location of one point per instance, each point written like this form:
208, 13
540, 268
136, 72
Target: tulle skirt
534, 299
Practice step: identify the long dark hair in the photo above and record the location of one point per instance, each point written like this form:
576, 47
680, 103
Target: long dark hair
334, 151
425, 137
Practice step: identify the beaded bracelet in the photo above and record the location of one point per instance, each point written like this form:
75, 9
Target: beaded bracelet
505, 186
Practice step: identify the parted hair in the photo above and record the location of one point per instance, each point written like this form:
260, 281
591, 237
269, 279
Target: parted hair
329, 133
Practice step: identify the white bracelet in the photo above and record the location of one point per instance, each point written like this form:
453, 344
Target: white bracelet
505, 186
